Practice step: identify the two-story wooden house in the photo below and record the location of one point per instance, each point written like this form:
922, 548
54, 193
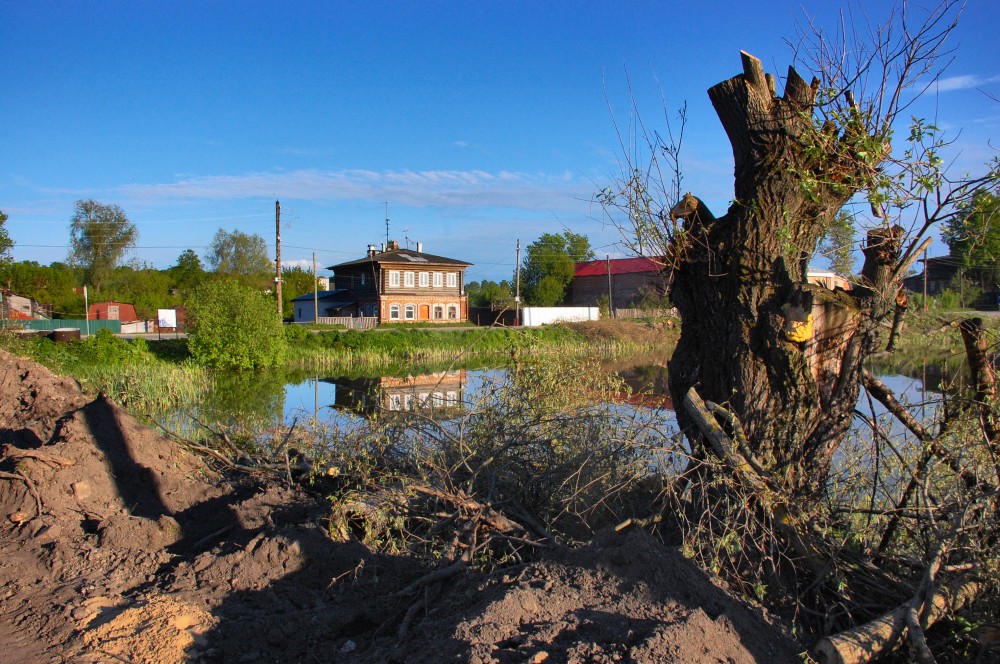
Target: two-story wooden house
401, 285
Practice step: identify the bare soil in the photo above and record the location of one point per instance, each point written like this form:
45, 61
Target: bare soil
142, 553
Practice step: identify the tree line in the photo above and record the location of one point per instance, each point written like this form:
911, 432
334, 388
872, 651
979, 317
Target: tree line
101, 239
102, 236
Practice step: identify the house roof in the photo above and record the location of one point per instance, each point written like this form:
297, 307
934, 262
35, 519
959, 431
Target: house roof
406, 257
323, 295
618, 266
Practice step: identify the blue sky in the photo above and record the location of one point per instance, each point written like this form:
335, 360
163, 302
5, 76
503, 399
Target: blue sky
479, 123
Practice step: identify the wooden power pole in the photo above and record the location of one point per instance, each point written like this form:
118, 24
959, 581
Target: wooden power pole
277, 254
517, 287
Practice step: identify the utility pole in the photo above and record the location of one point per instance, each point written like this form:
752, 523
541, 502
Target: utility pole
277, 254
611, 303
315, 292
517, 287
925, 280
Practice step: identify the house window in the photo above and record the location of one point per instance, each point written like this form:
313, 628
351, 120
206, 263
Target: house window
423, 280
362, 279
439, 312
437, 280
298, 313
452, 280
393, 312
394, 278
411, 312
408, 279
452, 312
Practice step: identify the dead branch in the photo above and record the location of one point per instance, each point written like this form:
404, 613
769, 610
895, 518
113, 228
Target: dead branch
780, 513
38, 455
21, 476
433, 577
880, 636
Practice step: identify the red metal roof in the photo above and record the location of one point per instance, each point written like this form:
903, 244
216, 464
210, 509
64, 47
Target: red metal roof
618, 266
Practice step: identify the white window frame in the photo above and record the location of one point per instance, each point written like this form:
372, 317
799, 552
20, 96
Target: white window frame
452, 312
424, 281
362, 279
438, 312
393, 312
438, 280
410, 312
407, 280
394, 278
452, 280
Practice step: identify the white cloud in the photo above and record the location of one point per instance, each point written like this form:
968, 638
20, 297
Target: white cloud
966, 82
417, 188
303, 263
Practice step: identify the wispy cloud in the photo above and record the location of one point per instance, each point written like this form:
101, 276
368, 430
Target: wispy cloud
417, 188
966, 82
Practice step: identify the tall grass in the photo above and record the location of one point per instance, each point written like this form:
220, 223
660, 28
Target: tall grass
353, 352
146, 388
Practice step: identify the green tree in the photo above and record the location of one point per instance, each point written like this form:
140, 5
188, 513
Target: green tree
5, 242
234, 327
295, 281
241, 256
490, 294
188, 273
51, 286
100, 236
837, 244
549, 264
973, 239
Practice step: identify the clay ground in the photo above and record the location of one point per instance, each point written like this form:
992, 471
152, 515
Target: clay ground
142, 553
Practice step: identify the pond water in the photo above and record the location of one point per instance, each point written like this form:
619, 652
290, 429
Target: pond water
341, 399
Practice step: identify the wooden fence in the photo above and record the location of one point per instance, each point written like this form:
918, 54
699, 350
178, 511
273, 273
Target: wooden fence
642, 313
350, 322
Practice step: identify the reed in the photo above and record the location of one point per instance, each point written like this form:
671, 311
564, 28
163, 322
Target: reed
146, 388
356, 352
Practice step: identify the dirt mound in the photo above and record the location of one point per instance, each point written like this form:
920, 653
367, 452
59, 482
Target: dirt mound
118, 545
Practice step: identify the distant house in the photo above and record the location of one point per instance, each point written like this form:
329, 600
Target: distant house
939, 271
827, 279
330, 302
18, 307
394, 286
627, 280
122, 311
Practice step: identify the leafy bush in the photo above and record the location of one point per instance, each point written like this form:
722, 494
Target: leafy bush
296, 332
235, 327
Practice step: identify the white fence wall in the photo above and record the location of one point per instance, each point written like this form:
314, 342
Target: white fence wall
535, 316
138, 327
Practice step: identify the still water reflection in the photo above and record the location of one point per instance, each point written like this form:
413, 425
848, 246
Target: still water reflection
271, 398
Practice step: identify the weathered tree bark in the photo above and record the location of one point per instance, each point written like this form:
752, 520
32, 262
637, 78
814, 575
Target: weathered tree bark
880, 636
740, 284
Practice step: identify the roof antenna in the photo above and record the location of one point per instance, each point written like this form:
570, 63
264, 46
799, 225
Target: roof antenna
387, 224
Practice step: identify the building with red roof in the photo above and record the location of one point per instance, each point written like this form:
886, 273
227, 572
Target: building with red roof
627, 280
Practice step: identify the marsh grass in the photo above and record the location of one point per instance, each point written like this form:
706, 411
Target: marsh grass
149, 387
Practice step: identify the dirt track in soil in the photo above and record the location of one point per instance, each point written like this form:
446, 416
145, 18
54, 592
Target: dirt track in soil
141, 553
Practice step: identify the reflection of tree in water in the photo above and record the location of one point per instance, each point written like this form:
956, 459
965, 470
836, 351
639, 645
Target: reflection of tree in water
938, 374
245, 397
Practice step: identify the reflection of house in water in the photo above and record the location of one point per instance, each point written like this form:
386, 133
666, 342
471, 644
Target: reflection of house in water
441, 392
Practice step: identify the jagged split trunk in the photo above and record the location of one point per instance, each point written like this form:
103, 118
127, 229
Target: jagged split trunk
740, 284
